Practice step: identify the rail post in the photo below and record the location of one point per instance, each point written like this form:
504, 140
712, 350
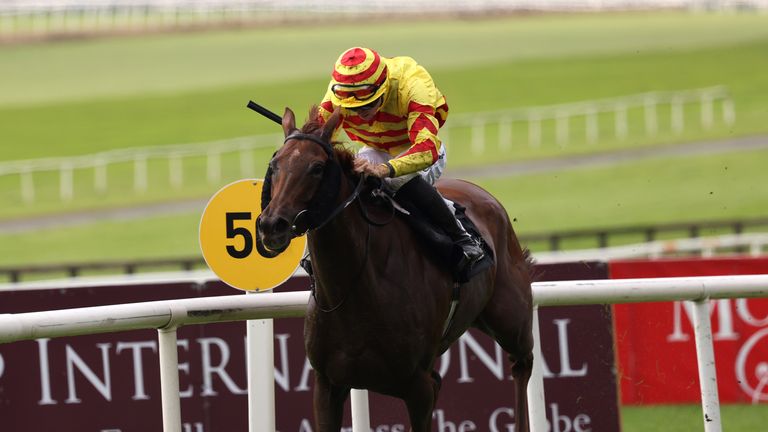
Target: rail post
169, 378
361, 421
261, 374
705, 356
537, 414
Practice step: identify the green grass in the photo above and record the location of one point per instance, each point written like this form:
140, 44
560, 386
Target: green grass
80, 97
105, 68
169, 89
155, 237
686, 418
84, 127
714, 187
675, 189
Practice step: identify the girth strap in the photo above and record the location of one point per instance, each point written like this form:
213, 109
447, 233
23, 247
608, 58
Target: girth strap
452, 311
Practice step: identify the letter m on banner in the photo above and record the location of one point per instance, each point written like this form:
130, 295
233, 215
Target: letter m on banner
655, 344
720, 313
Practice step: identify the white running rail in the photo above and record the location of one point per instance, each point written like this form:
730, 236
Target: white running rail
167, 316
755, 243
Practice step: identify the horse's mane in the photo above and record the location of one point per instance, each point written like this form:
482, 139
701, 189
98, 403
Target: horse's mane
535, 273
314, 123
314, 126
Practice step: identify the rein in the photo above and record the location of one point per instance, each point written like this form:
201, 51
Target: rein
335, 212
355, 194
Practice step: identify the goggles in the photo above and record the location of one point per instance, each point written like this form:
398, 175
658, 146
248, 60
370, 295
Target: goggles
359, 92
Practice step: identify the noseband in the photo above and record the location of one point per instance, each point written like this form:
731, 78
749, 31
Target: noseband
320, 210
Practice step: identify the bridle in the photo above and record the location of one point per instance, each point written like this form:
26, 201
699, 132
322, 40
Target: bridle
318, 213
295, 230
355, 193
298, 228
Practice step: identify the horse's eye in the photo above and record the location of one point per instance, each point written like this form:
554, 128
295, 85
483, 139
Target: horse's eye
273, 166
316, 170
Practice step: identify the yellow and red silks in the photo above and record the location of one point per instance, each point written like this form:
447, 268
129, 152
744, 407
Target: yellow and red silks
406, 125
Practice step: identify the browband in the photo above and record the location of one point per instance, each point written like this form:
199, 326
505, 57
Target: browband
314, 138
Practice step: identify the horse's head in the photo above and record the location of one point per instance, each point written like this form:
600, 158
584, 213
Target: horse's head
301, 185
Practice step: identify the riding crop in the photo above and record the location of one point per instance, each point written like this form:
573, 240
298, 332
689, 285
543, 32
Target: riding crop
265, 112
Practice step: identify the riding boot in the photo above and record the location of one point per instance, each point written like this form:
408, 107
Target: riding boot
429, 201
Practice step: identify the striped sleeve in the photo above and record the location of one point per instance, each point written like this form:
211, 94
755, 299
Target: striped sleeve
422, 125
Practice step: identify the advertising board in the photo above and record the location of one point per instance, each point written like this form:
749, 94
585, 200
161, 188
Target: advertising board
655, 344
110, 382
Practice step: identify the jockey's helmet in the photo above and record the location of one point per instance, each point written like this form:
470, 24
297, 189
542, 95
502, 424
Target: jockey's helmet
359, 78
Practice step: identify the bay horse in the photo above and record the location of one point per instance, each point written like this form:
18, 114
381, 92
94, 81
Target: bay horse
376, 319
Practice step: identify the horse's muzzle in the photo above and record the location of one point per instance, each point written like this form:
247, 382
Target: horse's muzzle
273, 235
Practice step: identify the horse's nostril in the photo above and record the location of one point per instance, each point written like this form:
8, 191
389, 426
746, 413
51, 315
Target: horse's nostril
281, 225
273, 225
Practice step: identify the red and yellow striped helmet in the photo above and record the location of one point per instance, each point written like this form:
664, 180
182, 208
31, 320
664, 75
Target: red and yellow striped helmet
359, 78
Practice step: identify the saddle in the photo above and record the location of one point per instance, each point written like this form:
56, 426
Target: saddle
440, 245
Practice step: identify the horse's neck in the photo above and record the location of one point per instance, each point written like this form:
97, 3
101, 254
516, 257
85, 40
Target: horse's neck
338, 251
338, 248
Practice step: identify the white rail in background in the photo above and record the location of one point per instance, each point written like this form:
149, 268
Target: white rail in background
755, 243
168, 315
473, 129
534, 121
53, 15
96, 165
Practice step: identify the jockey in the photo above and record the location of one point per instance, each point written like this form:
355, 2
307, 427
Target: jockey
392, 107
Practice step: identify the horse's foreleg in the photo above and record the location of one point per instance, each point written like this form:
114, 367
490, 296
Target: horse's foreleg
420, 398
329, 404
521, 371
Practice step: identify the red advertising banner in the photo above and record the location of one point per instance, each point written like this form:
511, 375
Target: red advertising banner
110, 382
655, 343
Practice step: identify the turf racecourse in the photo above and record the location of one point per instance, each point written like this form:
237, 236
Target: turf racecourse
647, 192
44, 73
80, 97
131, 92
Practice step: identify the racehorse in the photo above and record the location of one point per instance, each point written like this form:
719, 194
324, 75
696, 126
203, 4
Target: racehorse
377, 318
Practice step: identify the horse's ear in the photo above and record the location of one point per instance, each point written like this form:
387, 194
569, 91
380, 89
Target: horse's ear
331, 124
289, 122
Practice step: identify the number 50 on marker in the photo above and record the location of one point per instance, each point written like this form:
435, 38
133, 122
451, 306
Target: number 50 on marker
227, 240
